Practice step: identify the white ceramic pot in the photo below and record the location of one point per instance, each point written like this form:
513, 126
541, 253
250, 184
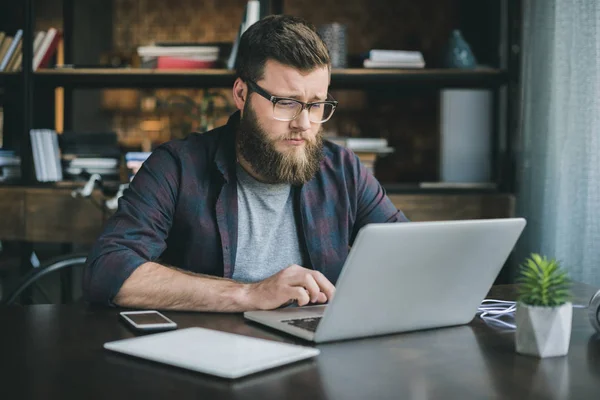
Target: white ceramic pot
543, 331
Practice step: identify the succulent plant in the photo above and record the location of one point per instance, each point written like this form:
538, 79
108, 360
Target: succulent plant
543, 282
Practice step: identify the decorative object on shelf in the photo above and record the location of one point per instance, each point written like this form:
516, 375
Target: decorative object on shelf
465, 135
334, 36
459, 53
544, 311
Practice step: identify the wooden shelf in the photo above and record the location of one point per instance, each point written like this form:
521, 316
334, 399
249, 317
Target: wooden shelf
341, 78
391, 188
361, 78
49, 214
415, 188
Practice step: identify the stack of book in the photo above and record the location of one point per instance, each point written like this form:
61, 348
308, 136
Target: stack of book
10, 166
44, 47
181, 55
85, 153
394, 59
367, 149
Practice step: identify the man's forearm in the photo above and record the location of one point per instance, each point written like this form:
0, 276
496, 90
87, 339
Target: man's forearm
153, 285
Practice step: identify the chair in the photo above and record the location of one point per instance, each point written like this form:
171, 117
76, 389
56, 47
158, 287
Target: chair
61, 264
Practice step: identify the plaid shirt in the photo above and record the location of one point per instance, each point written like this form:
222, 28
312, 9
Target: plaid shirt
181, 210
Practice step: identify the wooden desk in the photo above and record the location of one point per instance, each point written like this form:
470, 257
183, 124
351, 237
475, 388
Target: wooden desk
55, 352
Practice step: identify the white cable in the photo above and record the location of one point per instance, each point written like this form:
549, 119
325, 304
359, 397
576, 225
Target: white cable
491, 310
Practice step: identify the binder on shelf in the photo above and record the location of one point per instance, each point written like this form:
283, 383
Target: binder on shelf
46, 155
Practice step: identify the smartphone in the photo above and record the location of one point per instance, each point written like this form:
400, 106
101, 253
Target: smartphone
148, 320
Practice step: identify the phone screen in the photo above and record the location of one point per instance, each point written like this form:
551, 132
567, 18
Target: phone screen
147, 318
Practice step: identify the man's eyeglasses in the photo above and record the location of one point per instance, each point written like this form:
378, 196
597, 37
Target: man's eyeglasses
286, 109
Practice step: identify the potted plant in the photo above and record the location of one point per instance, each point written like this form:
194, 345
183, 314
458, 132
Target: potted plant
544, 311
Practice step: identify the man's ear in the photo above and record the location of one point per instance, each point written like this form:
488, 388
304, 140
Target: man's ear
240, 93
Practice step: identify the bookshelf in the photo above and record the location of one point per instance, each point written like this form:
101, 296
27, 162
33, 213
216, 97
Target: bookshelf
496, 79
46, 212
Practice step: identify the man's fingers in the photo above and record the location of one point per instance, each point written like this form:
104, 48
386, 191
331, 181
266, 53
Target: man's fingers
311, 287
321, 298
316, 285
300, 295
324, 284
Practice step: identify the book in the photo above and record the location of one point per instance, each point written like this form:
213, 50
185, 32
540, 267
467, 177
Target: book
170, 62
378, 58
206, 53
37, 155
15, 56
402, 56
2, 37
392, 64
46, 155
4, 45
93, 162
48, 45
11, 50
360, 144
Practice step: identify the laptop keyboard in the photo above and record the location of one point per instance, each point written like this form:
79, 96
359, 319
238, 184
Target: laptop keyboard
310, 324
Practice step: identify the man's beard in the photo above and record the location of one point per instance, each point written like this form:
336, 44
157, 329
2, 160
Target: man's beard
294, 167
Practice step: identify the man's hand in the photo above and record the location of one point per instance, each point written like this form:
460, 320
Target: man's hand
294, 283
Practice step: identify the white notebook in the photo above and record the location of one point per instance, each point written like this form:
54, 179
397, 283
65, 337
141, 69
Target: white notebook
212, 352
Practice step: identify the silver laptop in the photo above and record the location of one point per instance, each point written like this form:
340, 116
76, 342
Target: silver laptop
405, 277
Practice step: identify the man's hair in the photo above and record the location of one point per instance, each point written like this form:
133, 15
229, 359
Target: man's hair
288, 40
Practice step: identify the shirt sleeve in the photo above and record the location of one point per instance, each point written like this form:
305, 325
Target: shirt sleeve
137, 232
373, 204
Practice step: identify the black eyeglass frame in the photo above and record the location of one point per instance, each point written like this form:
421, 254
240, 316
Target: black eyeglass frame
305, 106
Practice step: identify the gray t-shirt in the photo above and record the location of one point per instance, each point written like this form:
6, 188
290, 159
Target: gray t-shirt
267, 233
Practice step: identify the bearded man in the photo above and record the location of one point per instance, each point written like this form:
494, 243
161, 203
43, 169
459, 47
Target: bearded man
253, 215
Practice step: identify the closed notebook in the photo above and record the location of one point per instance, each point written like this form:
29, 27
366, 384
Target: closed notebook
223, 354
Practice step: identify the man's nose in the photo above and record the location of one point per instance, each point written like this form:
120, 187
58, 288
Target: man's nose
302, 122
